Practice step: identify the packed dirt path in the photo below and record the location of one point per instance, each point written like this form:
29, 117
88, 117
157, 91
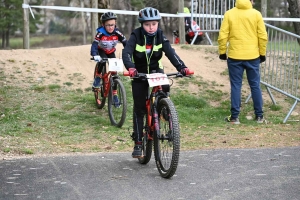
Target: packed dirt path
73, 65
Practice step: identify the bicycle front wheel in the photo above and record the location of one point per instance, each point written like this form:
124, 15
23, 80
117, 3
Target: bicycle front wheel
167, 139
117, 104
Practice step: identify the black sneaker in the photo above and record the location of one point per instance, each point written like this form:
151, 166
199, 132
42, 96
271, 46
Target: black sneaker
231, 120
260, 119
137, 151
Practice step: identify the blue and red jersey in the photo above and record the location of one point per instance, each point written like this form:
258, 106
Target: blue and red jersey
107, 42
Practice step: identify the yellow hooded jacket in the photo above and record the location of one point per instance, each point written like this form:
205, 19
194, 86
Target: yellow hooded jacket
244, 30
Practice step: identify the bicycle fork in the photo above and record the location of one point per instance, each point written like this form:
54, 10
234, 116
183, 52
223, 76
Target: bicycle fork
154, 121
149, 121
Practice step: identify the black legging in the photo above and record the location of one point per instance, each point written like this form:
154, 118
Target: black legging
139, 94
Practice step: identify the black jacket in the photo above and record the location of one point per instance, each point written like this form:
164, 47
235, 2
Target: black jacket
134, 54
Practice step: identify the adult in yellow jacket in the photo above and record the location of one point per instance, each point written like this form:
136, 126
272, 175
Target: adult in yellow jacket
242, 42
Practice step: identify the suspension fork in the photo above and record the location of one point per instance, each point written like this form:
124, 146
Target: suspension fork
154, 98
155, 122
149, 120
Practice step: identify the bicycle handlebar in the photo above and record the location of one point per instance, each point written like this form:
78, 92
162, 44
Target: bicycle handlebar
176, 74
102, 59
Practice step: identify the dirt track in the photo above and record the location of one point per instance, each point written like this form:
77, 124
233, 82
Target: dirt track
73, 65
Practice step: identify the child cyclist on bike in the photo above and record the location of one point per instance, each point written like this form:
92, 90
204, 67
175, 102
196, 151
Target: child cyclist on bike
143, 53
104, 46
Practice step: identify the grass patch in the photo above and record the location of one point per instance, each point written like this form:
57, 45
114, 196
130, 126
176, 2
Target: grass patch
17, 43
54, 87
38, 88
27, 151
44, 40
68, 83
275, 107
54, 119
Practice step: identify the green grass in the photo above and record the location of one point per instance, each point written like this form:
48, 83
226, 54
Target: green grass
34, 41
17, 43
56, 119
288, 45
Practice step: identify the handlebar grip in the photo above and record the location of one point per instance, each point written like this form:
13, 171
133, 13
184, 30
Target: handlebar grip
190, 72
102, 59
126, 73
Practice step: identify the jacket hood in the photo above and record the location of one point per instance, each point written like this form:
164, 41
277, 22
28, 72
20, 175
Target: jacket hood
243, 4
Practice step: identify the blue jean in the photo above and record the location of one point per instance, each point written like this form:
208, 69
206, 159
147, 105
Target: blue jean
236, 69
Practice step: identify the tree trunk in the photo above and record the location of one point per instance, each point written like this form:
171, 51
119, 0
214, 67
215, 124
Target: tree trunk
94, 20
102, 4
295, 13
181, 23
3, 40
7, 45
83, 23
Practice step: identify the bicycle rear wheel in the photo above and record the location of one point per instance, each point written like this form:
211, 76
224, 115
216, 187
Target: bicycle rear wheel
99, 93
167, 141
117, 109
147, 143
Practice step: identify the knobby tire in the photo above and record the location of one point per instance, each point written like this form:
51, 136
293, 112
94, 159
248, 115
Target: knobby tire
167, 143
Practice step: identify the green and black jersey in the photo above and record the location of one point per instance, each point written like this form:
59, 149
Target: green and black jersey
135, 52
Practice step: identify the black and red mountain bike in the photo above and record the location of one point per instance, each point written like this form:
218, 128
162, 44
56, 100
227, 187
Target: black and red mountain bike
161, 126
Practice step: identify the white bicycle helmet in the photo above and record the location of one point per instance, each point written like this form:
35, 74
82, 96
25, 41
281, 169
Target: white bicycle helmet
149, 14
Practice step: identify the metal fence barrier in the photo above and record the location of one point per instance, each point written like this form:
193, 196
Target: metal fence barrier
208, 21
281, 71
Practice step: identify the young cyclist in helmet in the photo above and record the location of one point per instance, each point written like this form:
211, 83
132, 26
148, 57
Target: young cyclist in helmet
104, 45
143, 53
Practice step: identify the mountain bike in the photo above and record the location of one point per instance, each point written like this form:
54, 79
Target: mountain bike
161, 125
110, 85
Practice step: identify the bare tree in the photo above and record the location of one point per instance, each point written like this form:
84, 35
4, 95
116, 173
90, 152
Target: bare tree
103, 4
294, 9
165, 6
126, 23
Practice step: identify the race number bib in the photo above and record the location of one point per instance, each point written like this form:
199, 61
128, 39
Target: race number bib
115, 64
156, 79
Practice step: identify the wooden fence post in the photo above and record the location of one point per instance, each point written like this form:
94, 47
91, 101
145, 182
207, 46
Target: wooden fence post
264, 8
181, 22
25, 26
94, 22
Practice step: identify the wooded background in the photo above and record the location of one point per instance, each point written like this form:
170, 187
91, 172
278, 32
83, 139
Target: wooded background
49, 22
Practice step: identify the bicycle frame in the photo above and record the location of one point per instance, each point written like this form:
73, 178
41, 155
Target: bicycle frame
151, 103
107, 83
107, 78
